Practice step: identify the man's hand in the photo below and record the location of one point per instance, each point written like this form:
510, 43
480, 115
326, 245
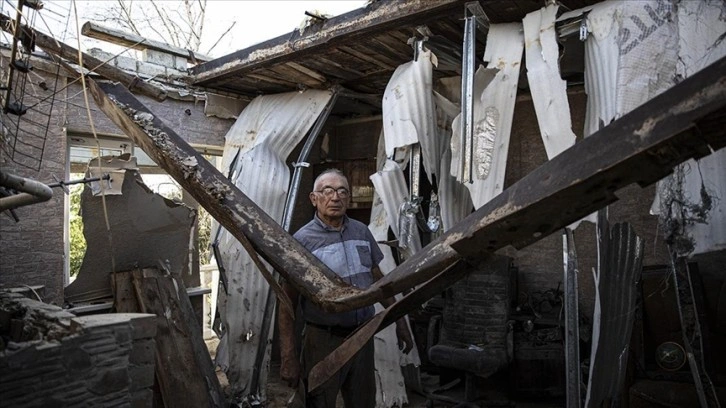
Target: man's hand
405, 342
290, 371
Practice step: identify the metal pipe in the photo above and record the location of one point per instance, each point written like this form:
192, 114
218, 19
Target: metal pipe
467, 99
32, 191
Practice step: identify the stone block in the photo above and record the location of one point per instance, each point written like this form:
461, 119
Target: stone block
109, 381
158, 58
143, 352
148, 70
142, 399
142, 376
126, 64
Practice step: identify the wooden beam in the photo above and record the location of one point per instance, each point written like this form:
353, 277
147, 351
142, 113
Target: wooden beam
373, 19
130, 40
66, 52
685, 122
225, 202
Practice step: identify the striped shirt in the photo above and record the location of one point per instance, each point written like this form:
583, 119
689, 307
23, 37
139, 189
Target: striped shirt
351, 253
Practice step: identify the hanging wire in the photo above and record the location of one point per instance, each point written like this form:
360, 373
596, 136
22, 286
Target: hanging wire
95, 137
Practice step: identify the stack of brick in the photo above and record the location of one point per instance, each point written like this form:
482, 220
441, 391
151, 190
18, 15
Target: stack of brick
49, 357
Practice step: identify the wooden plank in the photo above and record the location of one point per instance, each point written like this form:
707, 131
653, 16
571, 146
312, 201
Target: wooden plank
126, 39
377, 17
55, 47
185, 380
124, 296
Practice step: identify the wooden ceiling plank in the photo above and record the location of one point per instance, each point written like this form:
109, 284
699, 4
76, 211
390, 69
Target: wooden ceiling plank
364, 57
374, 18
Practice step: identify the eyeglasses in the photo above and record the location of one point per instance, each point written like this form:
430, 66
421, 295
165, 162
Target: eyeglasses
329, 191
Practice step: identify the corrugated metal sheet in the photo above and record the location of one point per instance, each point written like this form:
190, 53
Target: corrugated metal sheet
409, 113
265, 134
493, 112
549, 91
390, 184
621, 259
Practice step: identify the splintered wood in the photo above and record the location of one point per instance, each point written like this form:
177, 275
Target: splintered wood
184, 372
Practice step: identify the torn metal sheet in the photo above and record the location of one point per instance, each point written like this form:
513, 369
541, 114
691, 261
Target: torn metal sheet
701, 29
549, 91
223, 107
145, 229
265, 134
493, 112
116, 167
390, 184
616, 285
454, 199
409, 113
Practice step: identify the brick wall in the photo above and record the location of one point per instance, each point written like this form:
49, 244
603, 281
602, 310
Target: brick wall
32, 251
53, 358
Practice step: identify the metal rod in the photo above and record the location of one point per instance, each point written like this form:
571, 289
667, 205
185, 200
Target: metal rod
79, 181
572, 325
32, 191
467, 98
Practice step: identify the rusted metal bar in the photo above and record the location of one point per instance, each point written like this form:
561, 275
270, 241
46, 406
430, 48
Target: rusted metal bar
65, 51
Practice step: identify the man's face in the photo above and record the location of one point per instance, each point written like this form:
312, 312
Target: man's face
330, 207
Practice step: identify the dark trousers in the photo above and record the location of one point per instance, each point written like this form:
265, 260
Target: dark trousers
356, 380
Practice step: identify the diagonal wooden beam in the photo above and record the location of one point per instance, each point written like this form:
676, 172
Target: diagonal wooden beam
684, 122
66, 52
372, 19
225, 202
687, 121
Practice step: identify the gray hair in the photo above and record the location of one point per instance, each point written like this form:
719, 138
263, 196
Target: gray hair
335, 171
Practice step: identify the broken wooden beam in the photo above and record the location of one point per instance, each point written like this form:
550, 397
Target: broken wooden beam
130, 40
52, 46
684, 122
225, 202
370, 20
184, 370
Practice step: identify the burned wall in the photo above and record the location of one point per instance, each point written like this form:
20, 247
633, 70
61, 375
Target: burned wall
31, 249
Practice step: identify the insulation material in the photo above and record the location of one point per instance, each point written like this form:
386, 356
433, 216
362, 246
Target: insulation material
223, 107
262, 138
390, 184
630, 56
409, 113
493, 113
114, 166
701, 30
454, 199
549, 91
146, 230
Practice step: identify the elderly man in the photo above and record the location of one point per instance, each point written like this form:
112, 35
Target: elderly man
347, 247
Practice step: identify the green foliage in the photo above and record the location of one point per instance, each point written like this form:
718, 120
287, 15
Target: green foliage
205, 230
78, 241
